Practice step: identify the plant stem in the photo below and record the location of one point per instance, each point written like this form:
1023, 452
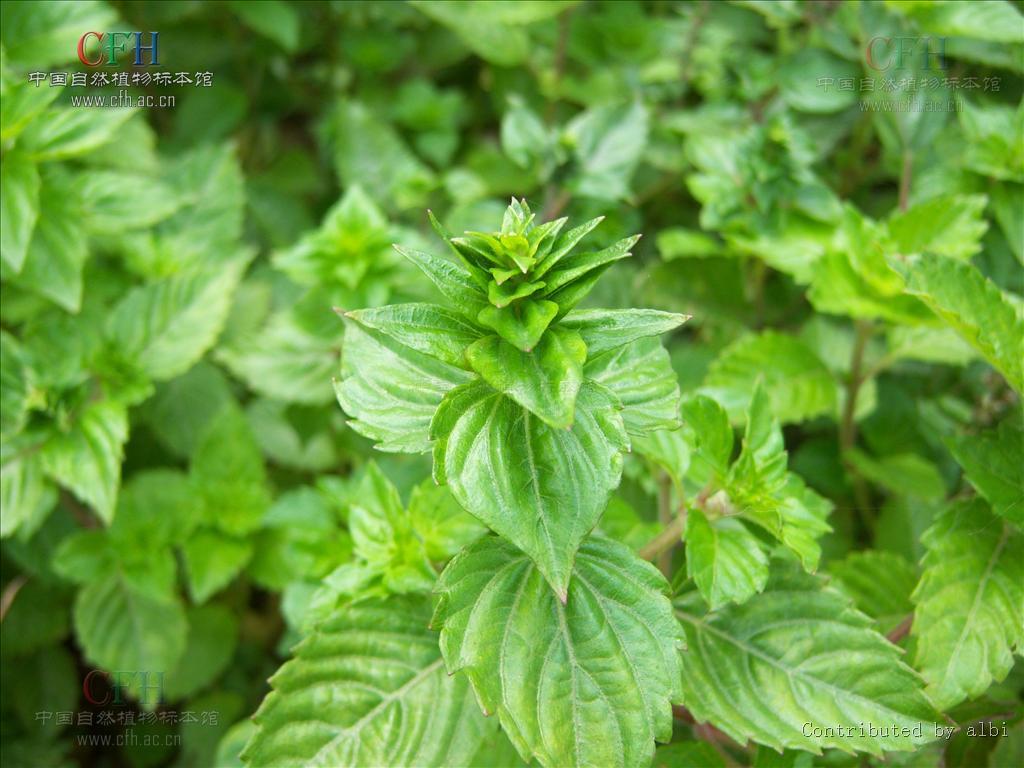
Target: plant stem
669, 536
10, 592
901, 630
906, 175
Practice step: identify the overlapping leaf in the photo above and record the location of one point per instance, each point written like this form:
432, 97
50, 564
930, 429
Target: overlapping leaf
584, 683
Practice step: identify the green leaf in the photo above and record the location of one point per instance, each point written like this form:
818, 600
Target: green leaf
87, 458
993, 462
950, 225
181, 409
791, 665
391, 391
227, 472
905, 473
605, 329
969, 604
452, 281
58, 248
759, 488
640, 375
707, 429
210, 644
975, 308
521, 324
368, 688
994, 20
19, 208
121, 628
114, 201
805, 93
291, 358
352, 241
724, 559
212, 560
428, 328
838, 288
572, 277
586, 681
16, 385
274, 20
42, 34
798, 383
879, 583
167, 326
301, 539
38, 618
545, 381
63, 133
607, 141
483, 28
383, 536
526, 140
541, 488
441, 523
369, 152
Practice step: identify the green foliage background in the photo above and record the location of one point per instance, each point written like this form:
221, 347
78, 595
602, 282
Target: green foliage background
181, 493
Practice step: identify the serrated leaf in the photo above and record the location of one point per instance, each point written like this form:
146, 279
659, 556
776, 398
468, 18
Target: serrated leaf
792, 664
428, 328
541, 488
368, 688
369, 152
115, 201
706, 426
16, 384
608, 141
441, 523
975, 308
212, 559
950, 225
587, 682
87, 459
121, 628
640, 375
19, 208
969, 604
352, 240
384, 539
58, 248
798, 383
391, 391
725, 560
545, 381
289, 359
167, 326
879, 583
993, 462
451, 280
605, 329
63, 133
837, 288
